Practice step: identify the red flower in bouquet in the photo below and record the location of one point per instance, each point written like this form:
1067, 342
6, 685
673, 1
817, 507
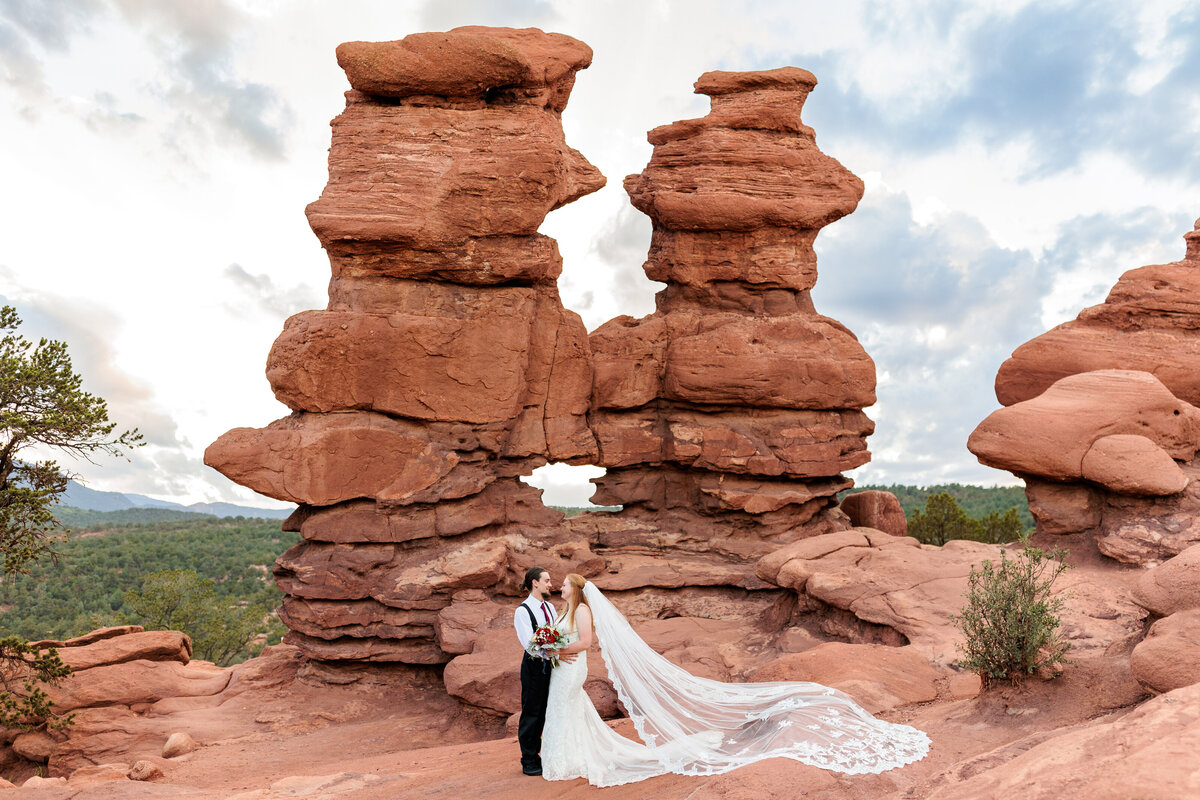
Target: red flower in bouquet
546, 640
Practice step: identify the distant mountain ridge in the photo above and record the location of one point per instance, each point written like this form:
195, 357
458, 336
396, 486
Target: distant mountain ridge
79, 496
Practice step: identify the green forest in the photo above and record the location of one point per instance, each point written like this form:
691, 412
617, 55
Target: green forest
110, 554
977, 501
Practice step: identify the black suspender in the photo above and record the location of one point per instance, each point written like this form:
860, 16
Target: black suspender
532, 619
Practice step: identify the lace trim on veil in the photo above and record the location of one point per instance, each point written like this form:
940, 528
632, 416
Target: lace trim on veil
697, 726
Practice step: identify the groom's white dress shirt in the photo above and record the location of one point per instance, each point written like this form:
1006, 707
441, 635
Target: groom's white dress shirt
543, 611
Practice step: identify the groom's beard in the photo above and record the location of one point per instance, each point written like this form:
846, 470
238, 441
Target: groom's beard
545, 595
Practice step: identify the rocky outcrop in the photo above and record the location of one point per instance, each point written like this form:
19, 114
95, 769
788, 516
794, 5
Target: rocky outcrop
1101, 420
445, 365
114, 671
726, 418
1148, 322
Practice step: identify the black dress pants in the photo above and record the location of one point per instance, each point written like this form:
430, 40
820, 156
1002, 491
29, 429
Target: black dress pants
535, 687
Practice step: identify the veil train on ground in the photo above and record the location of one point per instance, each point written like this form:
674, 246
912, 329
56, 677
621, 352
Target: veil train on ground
698, 726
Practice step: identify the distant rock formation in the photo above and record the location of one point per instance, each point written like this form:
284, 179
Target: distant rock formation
1102, 420
726, 418
445, 364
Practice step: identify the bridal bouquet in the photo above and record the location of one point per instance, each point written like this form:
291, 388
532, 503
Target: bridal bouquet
547, 640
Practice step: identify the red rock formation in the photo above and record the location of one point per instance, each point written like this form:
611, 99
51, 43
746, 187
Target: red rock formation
445, 367
876, 509
445, 364
1148, 322
1169, 657
1102, 421
726, 418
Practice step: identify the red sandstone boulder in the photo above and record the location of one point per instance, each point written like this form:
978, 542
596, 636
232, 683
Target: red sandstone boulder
720, 173
516, 355
1172, 586
34, 745
885, 580
133, 646
467, 62
470, 613
178, 744
99, 774
137, 682
793, 361
876, 509
1061, 508
1067, 433
327, 459
1169, 657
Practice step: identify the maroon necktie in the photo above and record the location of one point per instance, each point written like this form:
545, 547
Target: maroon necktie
546, 612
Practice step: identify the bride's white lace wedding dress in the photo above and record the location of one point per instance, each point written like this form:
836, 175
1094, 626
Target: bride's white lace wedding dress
696, 726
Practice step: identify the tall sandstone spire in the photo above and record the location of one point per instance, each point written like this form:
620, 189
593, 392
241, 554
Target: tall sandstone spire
726, 417
445, 364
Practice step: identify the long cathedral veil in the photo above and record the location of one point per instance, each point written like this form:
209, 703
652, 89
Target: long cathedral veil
698, 726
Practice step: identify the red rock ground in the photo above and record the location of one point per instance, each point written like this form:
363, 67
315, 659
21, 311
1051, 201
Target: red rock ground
277, 731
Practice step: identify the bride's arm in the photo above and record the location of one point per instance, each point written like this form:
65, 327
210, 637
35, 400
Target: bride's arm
583, 624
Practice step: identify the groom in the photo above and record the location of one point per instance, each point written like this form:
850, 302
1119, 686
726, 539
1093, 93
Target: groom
534, 613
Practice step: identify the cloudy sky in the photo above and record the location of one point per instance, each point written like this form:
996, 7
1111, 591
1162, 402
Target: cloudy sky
158, 154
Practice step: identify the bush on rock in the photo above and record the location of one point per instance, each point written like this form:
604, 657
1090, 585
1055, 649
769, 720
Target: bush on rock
1010, 622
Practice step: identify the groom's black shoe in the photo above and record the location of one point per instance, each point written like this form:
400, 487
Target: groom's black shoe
532, 770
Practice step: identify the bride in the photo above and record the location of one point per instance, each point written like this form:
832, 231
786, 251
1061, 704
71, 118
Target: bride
691, 725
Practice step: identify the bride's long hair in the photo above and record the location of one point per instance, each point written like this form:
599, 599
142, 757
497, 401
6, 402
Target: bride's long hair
577, 597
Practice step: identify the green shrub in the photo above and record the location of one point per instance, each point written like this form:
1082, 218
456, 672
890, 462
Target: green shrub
1010, 622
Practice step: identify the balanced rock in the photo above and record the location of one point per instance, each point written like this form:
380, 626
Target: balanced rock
1100, 420
444, 367
1115, 428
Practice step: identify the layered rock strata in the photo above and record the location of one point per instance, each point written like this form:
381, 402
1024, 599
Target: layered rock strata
726, 418
1101, 419
444, 365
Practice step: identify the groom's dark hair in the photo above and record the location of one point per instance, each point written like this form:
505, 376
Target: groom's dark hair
532, 574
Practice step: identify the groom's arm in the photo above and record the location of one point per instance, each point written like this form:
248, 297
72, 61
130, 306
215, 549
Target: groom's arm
523, 626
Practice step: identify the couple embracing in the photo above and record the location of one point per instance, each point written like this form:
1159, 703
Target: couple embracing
688, 725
